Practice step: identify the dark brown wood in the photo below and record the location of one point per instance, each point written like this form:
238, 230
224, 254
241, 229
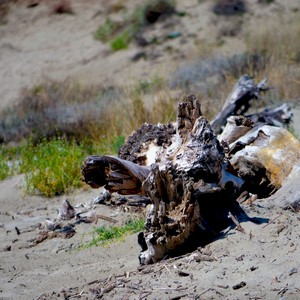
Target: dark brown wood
115, 174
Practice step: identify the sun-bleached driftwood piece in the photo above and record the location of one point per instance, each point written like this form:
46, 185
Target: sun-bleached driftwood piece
264, 158
279, 116
288, 197
236, 127
238, 102
115, 174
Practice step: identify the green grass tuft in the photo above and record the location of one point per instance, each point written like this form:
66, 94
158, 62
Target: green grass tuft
52, 167
9, 164
105, 235
106, 31
121, 41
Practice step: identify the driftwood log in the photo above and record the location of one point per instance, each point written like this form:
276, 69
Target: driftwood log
191, 176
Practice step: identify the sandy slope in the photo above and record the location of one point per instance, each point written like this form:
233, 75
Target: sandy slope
36, 45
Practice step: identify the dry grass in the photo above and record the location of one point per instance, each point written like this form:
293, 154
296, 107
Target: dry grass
66, 109
95, 112
279, 42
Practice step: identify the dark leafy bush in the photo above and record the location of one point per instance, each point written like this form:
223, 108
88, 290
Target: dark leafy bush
230, 7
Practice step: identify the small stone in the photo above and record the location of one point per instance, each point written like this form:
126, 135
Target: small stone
7, 248
293, 271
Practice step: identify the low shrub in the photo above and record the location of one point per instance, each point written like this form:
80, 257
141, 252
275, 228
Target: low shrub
9, 161
62, 7
107, 30
230, 7
55, 109
120, 34
121, 41
52, 167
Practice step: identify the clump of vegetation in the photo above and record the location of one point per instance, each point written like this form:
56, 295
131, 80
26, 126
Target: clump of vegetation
107, 30
230, 7
120, 33
63, 7
121, 41
279, 43
65, 109
56, 109
104, 235
157, 9
5, 6
52, 167
56, 125
9, 165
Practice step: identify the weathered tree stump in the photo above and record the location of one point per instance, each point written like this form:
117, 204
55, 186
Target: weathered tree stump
192, 177
186, 190
190, 188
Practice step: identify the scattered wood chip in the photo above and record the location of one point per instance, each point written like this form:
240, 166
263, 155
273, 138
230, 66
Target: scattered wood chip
199, 258
293, 271
183, 274
239, 285
236, 222
280, 229
241, 257
17, 230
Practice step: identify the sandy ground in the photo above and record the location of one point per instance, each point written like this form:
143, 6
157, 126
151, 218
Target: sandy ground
262, 263
27, 270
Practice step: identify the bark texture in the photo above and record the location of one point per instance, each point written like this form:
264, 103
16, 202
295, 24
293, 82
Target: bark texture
187, 189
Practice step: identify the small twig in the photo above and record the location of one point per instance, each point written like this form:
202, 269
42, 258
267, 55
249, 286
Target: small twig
92, 282
108, 288
167, 269
178, 297
283, 290
146, 295
236, 222
38, 297
166, 289
204, 292
271, 221
106, 218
